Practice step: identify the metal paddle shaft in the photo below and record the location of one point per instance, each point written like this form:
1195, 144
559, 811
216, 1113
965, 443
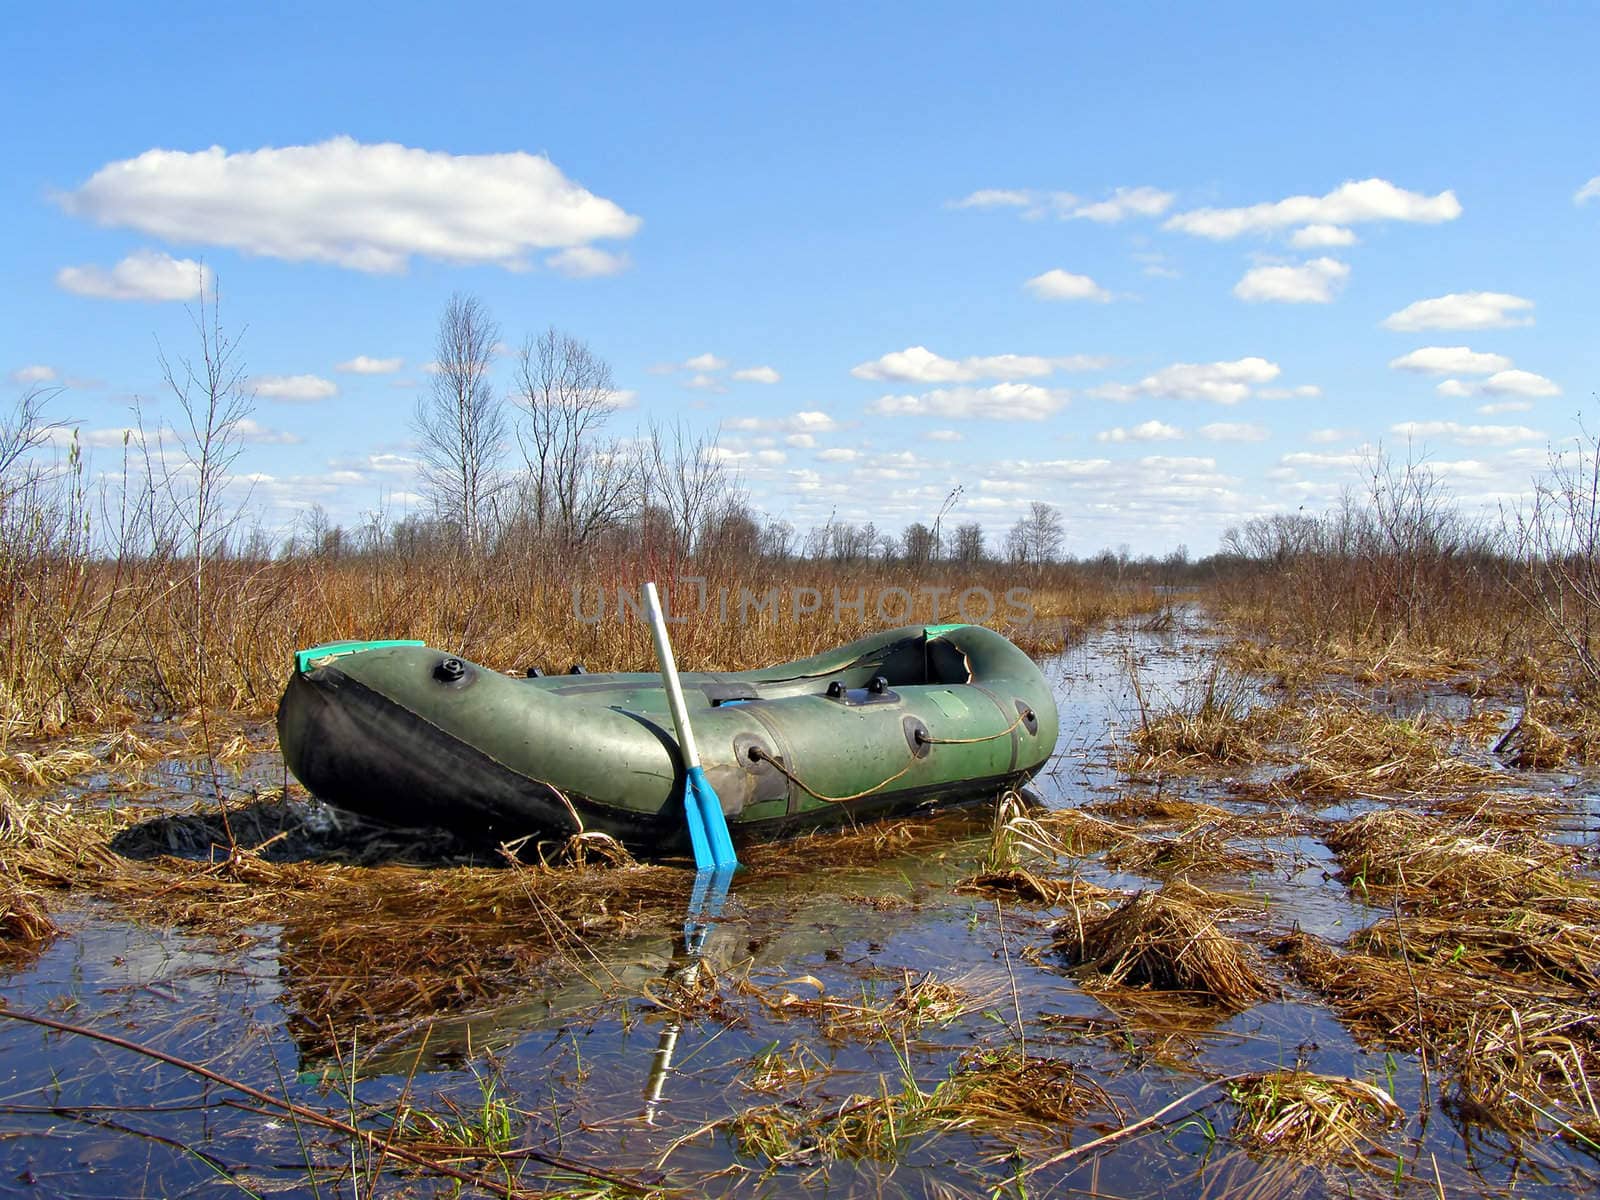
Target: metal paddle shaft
708, 828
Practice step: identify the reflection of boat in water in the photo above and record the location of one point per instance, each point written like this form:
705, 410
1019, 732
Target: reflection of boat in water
913, 717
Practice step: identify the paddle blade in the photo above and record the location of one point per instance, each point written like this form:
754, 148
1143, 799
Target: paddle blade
704, 857
700, 799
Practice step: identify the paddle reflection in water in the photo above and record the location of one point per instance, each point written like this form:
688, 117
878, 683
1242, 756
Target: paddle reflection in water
705, 907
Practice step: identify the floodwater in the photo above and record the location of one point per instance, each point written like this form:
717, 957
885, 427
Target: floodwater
574, 1050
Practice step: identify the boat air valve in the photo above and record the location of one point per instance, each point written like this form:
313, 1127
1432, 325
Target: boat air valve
878, 686
449, 670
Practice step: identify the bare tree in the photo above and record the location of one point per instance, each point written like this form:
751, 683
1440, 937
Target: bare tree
1036, 538
919, 544
687, 475
967, 544
461, 425
1557, 543
576, 483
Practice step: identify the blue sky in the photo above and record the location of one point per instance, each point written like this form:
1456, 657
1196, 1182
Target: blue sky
1165, 267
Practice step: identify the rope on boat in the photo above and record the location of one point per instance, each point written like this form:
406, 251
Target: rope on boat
927, 739
988, 737
758, 752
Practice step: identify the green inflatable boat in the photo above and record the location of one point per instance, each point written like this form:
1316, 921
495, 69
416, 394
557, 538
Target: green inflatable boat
912, 717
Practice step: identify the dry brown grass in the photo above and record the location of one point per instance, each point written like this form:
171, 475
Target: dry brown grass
917, 1002
1024, 886
1212, 724
1204, 849
1081, 833
1166, 941
1418, 855
1557, 943
1310, 1115
99, 642
1552, 732
365, 950
1346, 749
1148, 810
1019, 1100
1522, 1051
25, 923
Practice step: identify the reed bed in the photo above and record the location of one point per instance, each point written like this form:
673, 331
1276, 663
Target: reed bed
1522, 1051
368, 949
1346, 749
1557, 943
1165, 941
93, 643
1150, 810
1211, 724
1310, 1115
1080, 833
1023, 886
1420, 856
1204, 849
920, 1001
25, 924
1552, 732
1001, 1093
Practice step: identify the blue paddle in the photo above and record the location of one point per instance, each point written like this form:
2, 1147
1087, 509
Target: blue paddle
708, 828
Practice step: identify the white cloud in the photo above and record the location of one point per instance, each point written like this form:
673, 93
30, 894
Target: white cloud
1324, 436
253, 431
1461, 310
1351, 202
1126, 202
918, 364
365, 207
363, 365
705, 362
810, 421
1589, 191
998, 402
1057, 284
1234, 431
1495, 408
1318, 461
757, 375
143, 275
800, 441
1450, 360
995, 198
1519, 383
1303, 391
1149, 431
1314, 237
838, 454
1220, 382
1469, 435
1508, 382
1312, 282
294, 388
587, 262
943, 435
33, 373
705, 383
